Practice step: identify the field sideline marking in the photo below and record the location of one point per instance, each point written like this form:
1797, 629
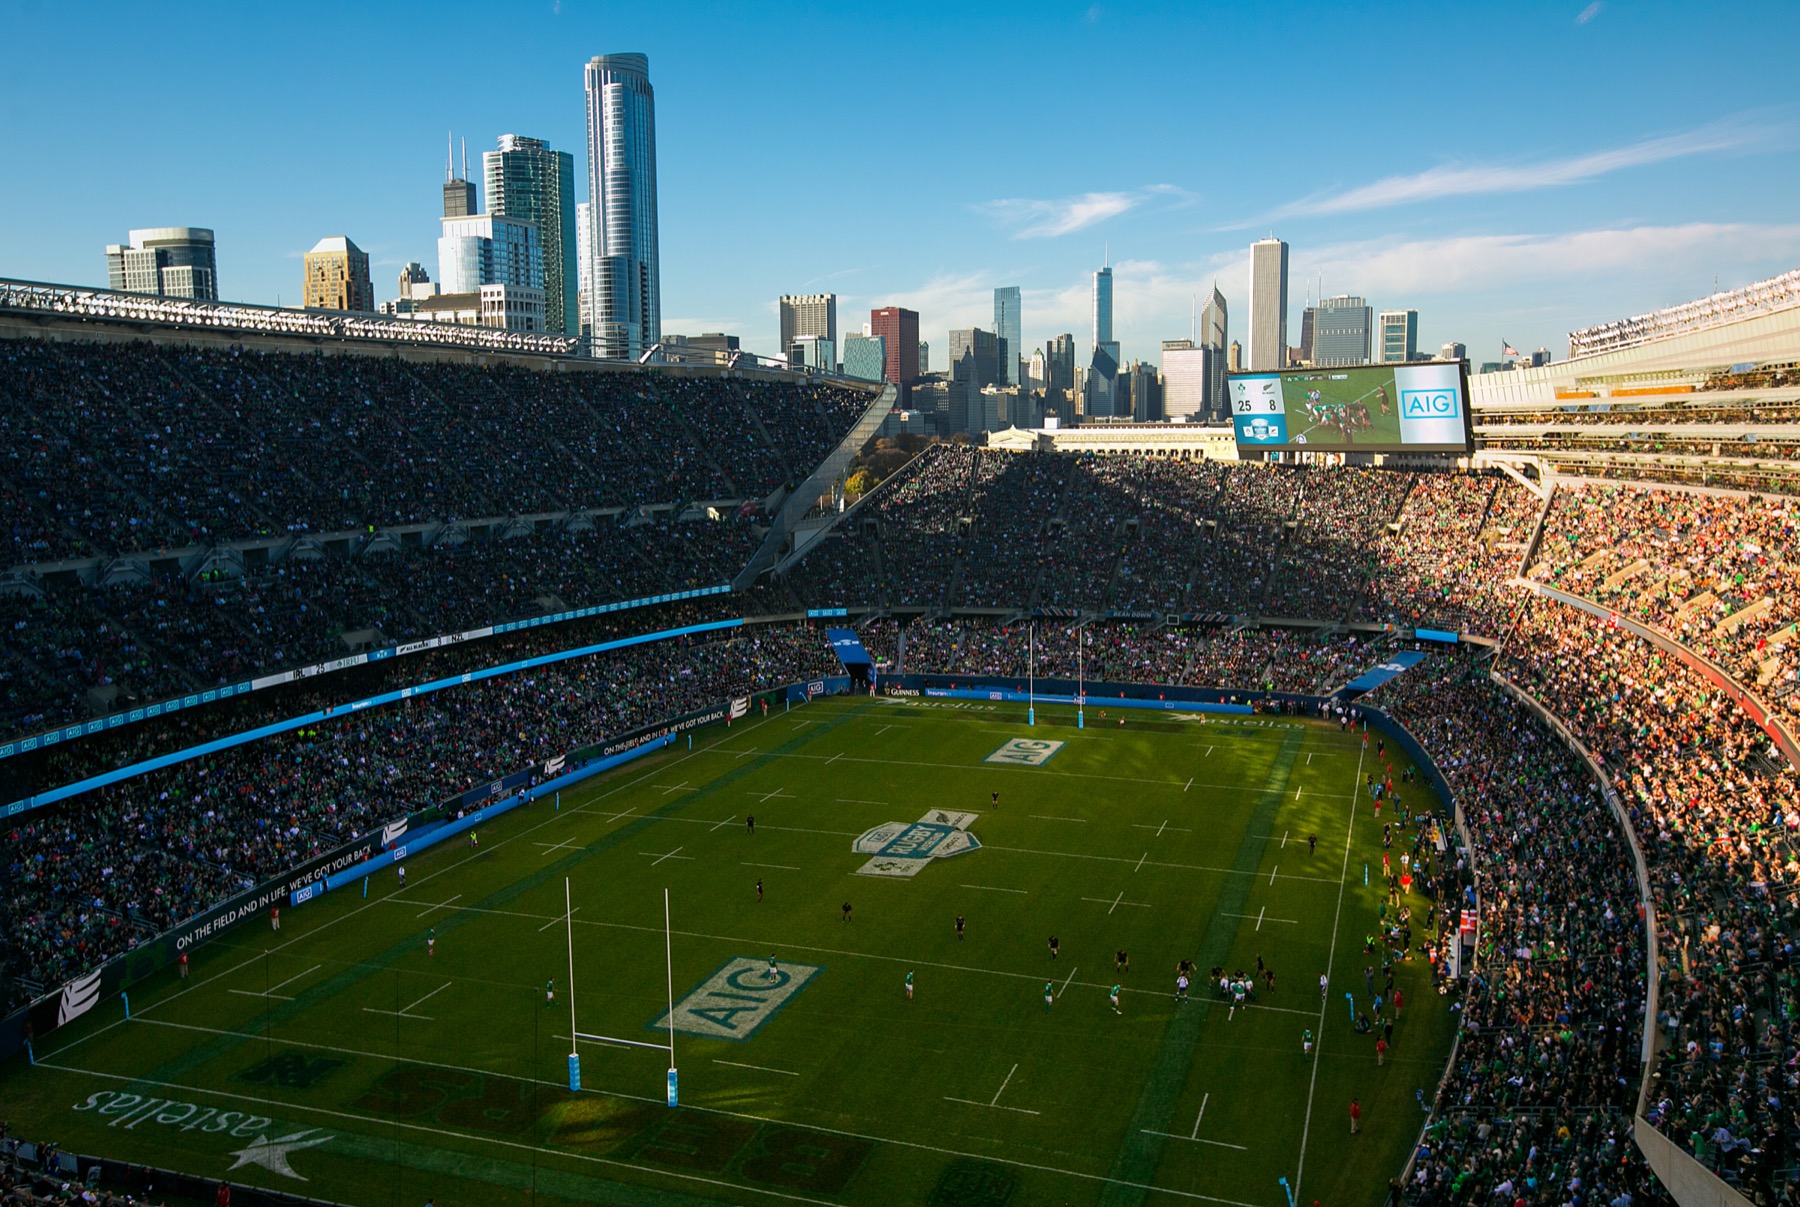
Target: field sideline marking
851, 800
280, 997
577, 1156
994, 889
270, 991
1063, 990
1330, 961
675, 854
759, 1068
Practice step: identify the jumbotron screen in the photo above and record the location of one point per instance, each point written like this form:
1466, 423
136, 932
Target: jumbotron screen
1409, 408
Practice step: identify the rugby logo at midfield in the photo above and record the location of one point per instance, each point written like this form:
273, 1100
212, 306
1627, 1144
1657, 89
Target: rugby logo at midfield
903, 848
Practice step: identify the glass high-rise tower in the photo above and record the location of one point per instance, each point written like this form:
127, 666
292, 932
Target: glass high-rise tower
625, 287
1008, 327
527, 180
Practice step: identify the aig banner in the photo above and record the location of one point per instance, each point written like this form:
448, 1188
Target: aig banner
1431, 403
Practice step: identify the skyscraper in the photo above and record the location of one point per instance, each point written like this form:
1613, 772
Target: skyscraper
1214, 334
1268, 304
1184, 379
1103, 325
1341, 331
1007, 326
527, 180
899, 330
337, 277
808, 314
865, 357
1059, 363
1399, 336
625, 291
499, 259
974, 365
174, 261
584, 266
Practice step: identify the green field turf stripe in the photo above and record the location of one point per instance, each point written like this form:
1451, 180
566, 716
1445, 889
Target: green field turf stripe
1141, 1151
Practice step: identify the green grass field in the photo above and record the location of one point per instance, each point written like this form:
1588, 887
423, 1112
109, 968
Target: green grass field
340, 1050
1334, 390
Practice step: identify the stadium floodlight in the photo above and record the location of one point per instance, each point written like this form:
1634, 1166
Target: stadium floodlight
650, 353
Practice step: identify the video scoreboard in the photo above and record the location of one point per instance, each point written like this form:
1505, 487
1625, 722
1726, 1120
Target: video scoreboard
1416, 408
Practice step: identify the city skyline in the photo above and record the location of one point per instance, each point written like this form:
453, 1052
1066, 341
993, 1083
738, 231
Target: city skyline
1496, 217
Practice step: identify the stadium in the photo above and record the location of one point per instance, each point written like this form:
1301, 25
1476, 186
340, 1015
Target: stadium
437, 766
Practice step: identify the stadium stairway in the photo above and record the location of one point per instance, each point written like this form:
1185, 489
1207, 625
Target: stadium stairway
800, 500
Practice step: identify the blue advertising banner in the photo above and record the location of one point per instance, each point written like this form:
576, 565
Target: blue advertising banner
848, 647
1375, 676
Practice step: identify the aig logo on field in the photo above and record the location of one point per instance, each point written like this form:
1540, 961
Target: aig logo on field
1430, 404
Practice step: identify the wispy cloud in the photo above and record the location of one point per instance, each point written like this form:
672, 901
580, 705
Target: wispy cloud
1454, 180
1402, 270
1035, 218
1590, 12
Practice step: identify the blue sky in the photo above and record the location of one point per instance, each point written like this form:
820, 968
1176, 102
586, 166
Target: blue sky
1510, 170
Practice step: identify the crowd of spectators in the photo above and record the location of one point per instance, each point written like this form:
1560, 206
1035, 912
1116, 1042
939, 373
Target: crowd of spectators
1719, 573
1274, 659
87, 878
1715, 808
1461, 538
1069, 534
1537, 1106
74, 651
1327, 563
120, 448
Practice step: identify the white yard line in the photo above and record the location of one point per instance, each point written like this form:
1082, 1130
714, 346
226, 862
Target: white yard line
991, 888
1330, 958
1140, 863
1054, 817
552, 922
785, 867
675, 854
1116, 902
1004, 1084
250, 993
437, 1130
971, 1102
295, 977
724, 823
440, 905
759, 1068
1065, 984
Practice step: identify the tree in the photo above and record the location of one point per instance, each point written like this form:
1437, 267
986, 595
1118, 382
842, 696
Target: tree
859, 484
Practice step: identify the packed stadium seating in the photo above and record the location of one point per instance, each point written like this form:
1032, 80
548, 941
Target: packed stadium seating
179, 838
1538, 1104
115, 449
1130, 569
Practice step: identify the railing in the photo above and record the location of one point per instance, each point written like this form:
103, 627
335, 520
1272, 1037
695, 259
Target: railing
80, 303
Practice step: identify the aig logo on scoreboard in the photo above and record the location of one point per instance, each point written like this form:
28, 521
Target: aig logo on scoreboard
1430, 404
